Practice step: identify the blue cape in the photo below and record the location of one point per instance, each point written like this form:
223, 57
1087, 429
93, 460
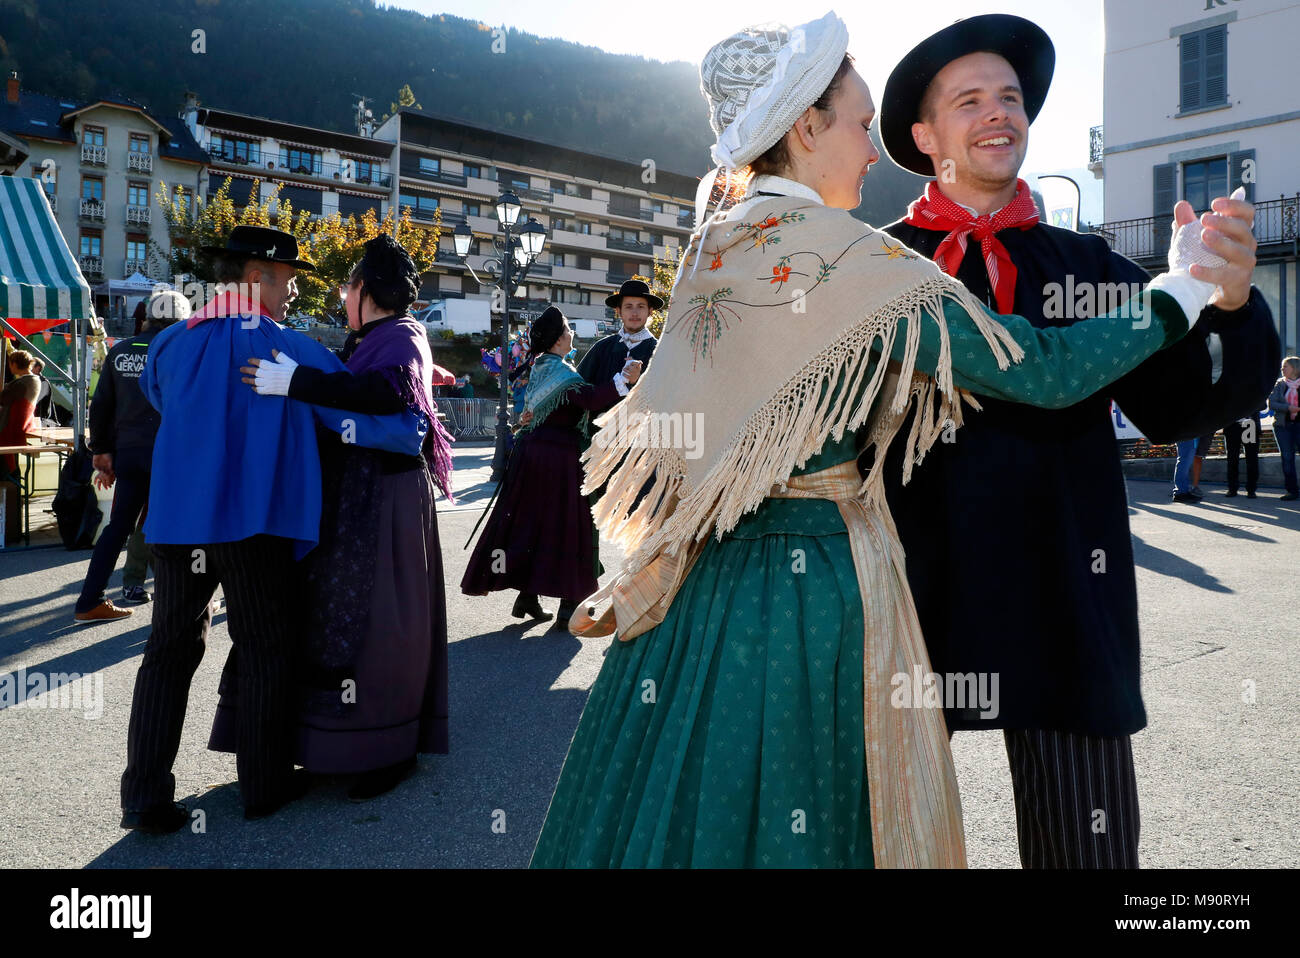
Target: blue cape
229, 464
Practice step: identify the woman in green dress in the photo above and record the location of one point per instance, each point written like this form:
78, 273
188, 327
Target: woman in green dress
751, 711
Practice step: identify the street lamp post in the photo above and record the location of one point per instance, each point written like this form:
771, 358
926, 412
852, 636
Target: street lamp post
519, 249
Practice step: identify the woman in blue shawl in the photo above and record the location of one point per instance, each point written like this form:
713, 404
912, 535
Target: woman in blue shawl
373, 658
540, 538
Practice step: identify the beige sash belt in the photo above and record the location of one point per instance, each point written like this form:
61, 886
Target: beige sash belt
912, 787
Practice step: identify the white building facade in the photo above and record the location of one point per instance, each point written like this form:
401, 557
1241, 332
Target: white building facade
1203, 96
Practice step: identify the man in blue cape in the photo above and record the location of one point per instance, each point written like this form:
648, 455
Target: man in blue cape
235, 499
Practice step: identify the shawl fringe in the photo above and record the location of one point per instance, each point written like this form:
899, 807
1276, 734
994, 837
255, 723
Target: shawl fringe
785, 431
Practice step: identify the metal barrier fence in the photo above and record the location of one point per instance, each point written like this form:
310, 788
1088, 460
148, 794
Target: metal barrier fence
469, 418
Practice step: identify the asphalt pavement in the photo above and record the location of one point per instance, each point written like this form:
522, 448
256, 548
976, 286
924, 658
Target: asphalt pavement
1217, 767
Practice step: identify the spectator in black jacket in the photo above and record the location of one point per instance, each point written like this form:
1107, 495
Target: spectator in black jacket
123, 425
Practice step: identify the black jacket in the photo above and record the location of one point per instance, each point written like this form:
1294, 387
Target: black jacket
607, 356
120, 415
1017, 538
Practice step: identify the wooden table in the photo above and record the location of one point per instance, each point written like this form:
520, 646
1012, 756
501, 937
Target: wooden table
59, 448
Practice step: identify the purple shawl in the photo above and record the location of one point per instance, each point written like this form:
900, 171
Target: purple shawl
399, 350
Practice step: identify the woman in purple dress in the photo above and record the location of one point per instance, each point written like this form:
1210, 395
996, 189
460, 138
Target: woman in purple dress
540, 538
373, 660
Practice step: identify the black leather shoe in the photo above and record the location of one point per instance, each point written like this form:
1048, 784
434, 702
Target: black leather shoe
1230, 493
298, 785
528, 607
562, 616
1289, 497
381, 780
1185, 497
159, 820
1250, 495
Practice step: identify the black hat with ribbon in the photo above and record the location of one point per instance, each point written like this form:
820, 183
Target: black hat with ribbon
1020, 42
634, 287
261, 242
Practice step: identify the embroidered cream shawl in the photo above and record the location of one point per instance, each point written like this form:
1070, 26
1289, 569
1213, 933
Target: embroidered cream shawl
773, 327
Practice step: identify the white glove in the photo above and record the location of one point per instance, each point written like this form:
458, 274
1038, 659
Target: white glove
1187, 247
274, 375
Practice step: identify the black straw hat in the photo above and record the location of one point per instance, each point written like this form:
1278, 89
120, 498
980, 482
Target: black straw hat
1020, 42
261, 242
634, 287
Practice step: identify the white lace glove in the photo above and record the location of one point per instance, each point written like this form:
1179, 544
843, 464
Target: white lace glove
1187, 247
274, 375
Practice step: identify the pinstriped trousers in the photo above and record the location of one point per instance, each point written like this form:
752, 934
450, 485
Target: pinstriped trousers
1076, 799
258, 577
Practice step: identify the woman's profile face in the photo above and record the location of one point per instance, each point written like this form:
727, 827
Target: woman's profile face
843, 152
352, 304
565, 342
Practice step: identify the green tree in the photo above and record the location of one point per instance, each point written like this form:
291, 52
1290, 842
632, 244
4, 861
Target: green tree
332, 243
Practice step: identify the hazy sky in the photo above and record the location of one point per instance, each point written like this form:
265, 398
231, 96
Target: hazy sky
879, 34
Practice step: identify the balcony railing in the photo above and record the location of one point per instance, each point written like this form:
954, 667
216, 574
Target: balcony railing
617, 279
345, 172
632, 212
92, 210
139, 162
539, 269
447, 256
686, 220
138, 215
94, 155
92, 265
436, 176
1096, 145
631, 246
1147, 238
133, 265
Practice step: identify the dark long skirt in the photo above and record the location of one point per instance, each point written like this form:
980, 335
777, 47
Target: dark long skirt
398, 705
539, 537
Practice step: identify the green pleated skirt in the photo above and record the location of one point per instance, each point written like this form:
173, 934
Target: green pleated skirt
732, 734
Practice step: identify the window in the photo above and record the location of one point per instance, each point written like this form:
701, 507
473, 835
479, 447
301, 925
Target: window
422, 204
557, 259
1204, 180
474, 170
583, 260
50, 185
139, 143
657, 206
136, 246
473, 209
364, 171
92, 136
584, 228
1203, 68
430, 164
235, 150
91, 242
137, 194
305, 162
468, 284
92, 188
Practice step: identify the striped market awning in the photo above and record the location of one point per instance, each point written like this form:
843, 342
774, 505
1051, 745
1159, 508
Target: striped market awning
39, 277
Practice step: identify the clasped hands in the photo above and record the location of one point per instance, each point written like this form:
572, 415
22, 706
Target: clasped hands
1226, 232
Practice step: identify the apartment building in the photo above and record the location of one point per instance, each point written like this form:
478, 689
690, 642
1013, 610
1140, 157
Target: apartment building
101, 162
1200, 98
322, 171
607, 219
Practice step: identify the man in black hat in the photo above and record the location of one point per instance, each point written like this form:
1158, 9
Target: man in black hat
1031, 503
633, 303
234, 498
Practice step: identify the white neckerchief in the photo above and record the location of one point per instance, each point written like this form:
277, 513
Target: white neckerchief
779, 185
631, 339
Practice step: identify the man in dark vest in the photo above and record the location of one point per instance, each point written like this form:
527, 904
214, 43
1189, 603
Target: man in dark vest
1016, 531
633, 303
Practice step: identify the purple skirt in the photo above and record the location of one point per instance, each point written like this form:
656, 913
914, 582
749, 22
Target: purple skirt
539, 537
399, 704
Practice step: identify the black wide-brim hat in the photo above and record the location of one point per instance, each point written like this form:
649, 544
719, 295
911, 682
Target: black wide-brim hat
262, 242
634, 287
1023, 44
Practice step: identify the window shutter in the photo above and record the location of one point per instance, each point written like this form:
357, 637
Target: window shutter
1237, 164
1215, 57
1164, 178
1190, 71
